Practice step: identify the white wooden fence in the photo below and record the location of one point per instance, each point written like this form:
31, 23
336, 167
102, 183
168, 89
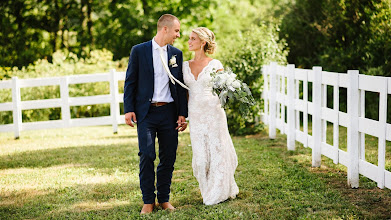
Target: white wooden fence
64, 102
281, 93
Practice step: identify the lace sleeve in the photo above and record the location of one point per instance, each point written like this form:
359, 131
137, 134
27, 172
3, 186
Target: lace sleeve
184, 67
219, 65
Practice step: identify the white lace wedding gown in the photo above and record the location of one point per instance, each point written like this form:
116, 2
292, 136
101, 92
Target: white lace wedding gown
214, 157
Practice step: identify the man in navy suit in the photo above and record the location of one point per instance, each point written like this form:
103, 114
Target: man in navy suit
159, 106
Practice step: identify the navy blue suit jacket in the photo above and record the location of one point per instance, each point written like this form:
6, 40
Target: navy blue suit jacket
139, 81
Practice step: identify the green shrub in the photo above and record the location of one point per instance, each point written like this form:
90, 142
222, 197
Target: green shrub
257, 46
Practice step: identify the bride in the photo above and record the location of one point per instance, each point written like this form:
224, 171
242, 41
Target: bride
214, 157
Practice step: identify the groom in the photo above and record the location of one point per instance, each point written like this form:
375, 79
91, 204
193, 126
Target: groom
159, 106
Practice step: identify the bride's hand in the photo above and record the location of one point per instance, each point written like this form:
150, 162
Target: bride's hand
182, 124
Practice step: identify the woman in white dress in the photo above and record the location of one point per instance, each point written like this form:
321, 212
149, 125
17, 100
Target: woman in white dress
214, 157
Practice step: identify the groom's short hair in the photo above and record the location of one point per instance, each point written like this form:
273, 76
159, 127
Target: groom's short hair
166, 20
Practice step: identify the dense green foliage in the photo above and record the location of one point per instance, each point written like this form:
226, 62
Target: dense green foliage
257, 46
117, 26
340, 35
335, 34
33, 30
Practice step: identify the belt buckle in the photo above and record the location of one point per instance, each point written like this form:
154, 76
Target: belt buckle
156, 104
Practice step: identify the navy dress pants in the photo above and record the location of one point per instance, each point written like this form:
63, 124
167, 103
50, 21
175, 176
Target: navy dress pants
160, 122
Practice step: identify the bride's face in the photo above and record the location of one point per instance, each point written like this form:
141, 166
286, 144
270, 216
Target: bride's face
195, 42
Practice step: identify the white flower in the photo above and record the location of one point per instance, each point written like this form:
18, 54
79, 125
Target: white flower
172, 61
230, 80
220, 80
236, 84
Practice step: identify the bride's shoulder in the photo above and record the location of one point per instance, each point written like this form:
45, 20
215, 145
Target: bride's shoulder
217, 62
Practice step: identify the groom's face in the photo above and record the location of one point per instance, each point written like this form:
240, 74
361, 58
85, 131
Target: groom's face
173, 32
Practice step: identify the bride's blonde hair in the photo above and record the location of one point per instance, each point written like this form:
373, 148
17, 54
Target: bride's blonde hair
207, 36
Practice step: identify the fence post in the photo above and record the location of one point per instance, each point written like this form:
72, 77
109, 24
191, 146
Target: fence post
65, 108
361, 113
297, 96
114, 108
305, 112
382, 137
17, 108
265, 94
283, 92
272, 95
291, 107
336, 123
317, 116
353, 136
324, 105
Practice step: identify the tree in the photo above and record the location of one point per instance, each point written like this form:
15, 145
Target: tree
341, 35
338, 34
36, 29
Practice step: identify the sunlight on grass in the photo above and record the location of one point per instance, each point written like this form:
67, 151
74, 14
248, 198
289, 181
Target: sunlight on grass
371, 149
60, 176
91, 173
93, 205
67, 137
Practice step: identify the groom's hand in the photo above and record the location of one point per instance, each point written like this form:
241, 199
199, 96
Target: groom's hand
182, 124
130, 117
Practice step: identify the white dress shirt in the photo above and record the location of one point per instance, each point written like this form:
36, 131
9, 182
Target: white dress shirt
161, 92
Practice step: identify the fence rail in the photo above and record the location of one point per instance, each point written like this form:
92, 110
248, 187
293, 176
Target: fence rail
64, 102
282, 86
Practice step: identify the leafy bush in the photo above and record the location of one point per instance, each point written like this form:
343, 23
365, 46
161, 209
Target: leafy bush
257, 46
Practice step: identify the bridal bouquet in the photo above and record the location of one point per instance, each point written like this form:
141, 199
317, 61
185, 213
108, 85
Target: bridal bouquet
227, 87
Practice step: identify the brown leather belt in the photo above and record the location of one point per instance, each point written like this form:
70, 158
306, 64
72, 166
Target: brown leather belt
158, 104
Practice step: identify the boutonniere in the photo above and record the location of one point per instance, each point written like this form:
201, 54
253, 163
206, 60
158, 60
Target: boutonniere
173, 61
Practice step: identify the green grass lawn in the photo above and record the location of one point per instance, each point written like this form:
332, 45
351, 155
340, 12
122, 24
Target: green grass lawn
90, 173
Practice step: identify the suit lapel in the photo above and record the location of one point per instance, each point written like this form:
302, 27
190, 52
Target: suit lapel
149, 58
169, 55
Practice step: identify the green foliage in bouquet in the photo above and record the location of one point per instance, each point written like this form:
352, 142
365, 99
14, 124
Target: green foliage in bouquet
228, 88
256, 46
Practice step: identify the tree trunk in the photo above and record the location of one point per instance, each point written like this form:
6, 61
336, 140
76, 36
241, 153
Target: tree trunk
56, 27
89, 22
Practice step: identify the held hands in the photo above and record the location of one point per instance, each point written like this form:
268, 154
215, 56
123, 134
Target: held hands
130, 117
182, 124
